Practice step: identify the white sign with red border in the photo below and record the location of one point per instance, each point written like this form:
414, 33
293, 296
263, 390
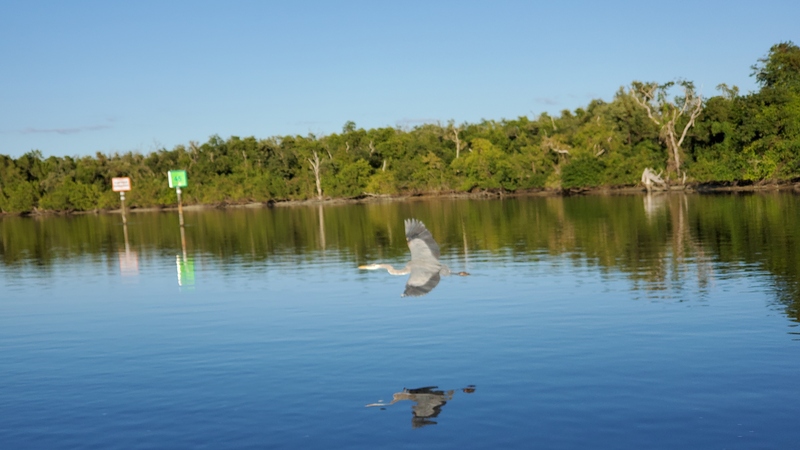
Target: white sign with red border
121, 184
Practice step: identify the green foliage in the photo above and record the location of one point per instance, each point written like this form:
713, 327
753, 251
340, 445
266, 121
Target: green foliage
754, 138
780, 68
350, 181
484, 167
432, 174
74, 196
582, 172
382, 182
529, 170
18, 197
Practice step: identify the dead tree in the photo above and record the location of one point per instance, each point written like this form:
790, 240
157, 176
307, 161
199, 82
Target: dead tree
650, 178
455, 131
315, 167
665, 113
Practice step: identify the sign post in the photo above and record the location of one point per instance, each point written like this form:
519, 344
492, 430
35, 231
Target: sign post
121, 185
128, 262
177, 180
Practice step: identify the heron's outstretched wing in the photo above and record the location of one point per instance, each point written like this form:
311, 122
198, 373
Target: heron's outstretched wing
421, 281
423, 278
420, 241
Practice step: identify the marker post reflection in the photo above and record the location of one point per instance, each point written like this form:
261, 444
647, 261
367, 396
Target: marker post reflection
128, 261
185, 271
177, 180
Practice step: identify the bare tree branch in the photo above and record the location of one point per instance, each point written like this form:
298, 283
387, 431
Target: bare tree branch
668, 113
647, 92
698, 108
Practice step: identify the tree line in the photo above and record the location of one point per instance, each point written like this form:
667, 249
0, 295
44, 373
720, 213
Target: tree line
666, 134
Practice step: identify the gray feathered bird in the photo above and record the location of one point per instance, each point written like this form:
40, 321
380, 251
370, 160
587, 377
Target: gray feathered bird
424, 269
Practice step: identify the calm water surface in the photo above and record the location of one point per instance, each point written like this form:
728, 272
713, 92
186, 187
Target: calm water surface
590, 322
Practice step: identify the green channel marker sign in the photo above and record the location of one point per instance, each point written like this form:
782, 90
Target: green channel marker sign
177, 178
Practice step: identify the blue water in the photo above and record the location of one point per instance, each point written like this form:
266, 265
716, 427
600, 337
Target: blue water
562, 352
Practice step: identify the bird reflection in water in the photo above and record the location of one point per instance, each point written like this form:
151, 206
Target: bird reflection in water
424, 269
428, 403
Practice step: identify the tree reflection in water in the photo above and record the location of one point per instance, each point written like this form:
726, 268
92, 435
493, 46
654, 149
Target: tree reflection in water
658, 241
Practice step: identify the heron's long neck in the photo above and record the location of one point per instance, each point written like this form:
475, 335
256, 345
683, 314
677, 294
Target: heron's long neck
393, 271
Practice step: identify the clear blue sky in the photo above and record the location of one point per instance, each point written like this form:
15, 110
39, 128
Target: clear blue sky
81, 77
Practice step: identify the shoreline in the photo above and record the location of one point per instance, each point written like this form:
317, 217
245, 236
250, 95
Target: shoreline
373, 198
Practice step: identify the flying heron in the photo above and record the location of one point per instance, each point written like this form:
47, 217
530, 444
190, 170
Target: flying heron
424, 268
